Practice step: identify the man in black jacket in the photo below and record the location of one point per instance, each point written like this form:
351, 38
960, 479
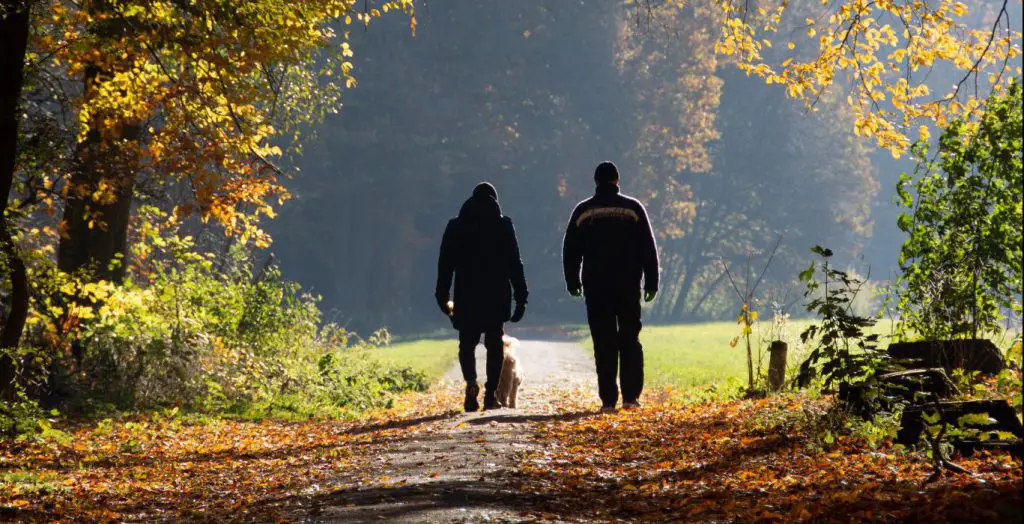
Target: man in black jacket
610, 235
480, 249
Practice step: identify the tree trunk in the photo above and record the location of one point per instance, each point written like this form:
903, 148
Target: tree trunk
17, 315
684, 292
96, 247
696, 249
97, 233
686, 286
692, 315
14, 26
670, 283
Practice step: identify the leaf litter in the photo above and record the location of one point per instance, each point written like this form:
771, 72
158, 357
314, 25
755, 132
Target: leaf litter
736, 461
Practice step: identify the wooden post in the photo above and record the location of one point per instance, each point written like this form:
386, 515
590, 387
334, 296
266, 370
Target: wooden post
777, 365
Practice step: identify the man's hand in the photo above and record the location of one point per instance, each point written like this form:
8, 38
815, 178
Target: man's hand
649, 295
447, 306
517, 315
575, 291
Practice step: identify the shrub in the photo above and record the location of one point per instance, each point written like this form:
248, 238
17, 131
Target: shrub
844, 353
961, 261
208, 334
19, 417
354, 378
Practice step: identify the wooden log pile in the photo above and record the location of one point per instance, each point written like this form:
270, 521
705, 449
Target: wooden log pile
925, 383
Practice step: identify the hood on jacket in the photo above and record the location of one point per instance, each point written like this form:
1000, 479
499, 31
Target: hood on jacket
480, 209
485, 189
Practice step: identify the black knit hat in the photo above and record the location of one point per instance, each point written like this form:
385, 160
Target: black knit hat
606, 172
485, 189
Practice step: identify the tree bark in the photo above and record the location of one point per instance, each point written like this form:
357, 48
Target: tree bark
17, 315
692, 315
96, 247
14, 26
684, 292
97, 233
697, 246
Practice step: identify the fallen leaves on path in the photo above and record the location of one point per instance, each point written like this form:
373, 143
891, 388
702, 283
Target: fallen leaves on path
158, 468
735, 461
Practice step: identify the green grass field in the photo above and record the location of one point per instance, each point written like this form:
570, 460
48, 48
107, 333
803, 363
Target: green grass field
696, 354
691, 355
686, 355
681, 355
433, 357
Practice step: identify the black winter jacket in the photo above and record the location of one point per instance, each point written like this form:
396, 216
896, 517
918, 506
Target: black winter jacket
480, 249
611, 236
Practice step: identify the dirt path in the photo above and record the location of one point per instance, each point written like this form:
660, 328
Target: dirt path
457, 469
544, 363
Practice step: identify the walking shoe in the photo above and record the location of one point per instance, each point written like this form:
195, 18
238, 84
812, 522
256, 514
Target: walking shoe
471, 404
490, 401
608, 409
631, 404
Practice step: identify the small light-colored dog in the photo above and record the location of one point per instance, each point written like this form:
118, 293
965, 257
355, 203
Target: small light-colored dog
508, 383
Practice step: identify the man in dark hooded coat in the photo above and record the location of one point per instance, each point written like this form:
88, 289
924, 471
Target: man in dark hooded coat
480, 249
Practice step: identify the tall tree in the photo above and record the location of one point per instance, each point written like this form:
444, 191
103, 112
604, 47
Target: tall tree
14, 30
433, 116
198, 96
777, 171
723, 180
668, 62
105, 163
193, 102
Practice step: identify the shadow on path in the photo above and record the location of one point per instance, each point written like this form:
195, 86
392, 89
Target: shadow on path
401, 424
423, 502
518, 418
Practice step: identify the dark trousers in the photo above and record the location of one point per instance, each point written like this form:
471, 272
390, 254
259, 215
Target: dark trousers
614, 318
468, 339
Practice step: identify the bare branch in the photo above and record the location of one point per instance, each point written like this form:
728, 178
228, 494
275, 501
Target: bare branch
731, 281
768, 263
973, 71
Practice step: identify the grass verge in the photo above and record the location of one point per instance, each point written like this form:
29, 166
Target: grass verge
431, 357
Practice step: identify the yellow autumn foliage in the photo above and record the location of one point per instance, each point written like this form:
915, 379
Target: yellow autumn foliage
203, 93
881, 53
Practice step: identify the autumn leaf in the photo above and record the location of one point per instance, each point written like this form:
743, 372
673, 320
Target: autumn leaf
745, 461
